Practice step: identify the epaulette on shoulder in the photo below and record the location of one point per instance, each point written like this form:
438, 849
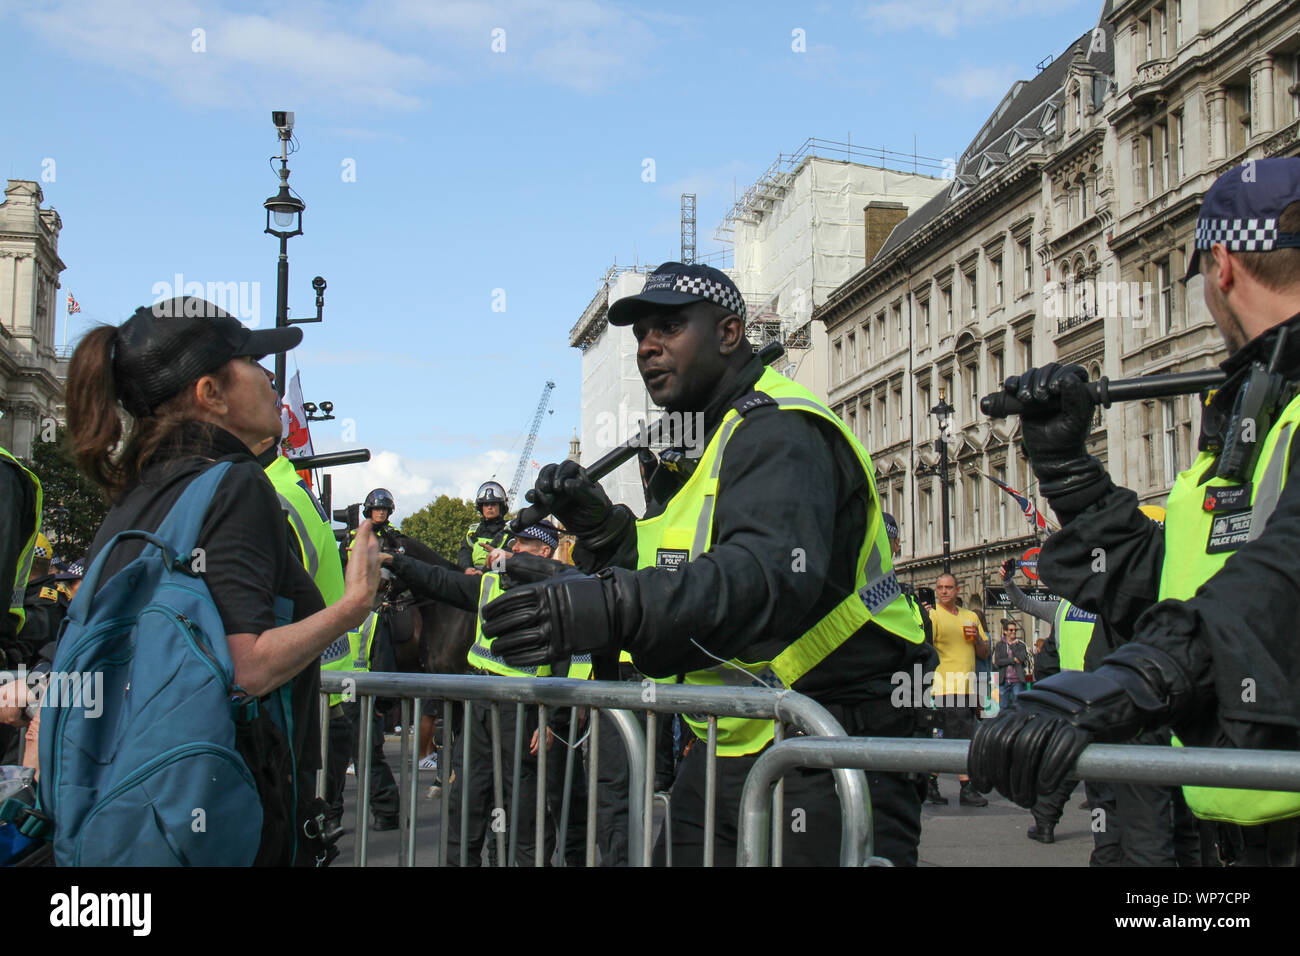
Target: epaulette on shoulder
752, 400
49, 594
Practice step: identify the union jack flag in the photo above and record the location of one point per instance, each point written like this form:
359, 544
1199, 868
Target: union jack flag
73, 308
1026, 505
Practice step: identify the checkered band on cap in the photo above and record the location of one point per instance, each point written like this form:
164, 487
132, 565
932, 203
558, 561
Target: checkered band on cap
1238, 235
41, 551
716, 292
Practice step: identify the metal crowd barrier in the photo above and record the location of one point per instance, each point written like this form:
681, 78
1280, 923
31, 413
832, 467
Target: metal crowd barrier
612, 699
1117, 763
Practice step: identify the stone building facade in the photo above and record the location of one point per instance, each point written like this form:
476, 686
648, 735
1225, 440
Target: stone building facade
1061, 238
31, 371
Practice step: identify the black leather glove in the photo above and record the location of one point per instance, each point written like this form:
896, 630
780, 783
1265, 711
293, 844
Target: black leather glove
1008, 568
1028, 749
571, 613
525, 568
1054, 427
566, 491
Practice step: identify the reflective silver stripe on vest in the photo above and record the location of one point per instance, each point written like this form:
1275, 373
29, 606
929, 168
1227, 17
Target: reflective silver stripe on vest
705, 521
882, 586
1270, 487
308, 546
482, 649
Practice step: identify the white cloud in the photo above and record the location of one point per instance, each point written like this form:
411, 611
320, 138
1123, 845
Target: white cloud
301, 51
415, 482
977, 82
947, 17
386, 55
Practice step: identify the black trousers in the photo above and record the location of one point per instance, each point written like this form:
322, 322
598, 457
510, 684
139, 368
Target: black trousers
574, 841
484, 818
810, 805
1107, 823
345, 734
1157, 827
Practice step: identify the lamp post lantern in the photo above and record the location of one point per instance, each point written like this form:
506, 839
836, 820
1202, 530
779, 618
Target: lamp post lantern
284, 221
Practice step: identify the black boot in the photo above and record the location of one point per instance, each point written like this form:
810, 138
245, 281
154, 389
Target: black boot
1042, 832
970, 797
932, 794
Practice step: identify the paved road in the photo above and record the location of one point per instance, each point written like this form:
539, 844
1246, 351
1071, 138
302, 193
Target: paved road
950, 836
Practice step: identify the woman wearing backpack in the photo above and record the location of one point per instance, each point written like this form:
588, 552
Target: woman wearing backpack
184, 377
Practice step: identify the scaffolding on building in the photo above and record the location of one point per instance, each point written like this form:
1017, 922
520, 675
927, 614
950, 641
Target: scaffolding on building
759, 198
688, 228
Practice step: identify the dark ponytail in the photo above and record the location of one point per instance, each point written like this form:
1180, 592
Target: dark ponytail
95, 416
94, 422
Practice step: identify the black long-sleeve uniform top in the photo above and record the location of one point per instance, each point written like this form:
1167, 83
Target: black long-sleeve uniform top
1238, 636
790, 515
486, 529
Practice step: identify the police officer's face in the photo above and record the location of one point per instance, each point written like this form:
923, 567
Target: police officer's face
682, 353
531, 546
1216, 297
378, 515
491, 511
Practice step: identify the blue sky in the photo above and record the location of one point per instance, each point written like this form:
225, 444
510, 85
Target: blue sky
475, 170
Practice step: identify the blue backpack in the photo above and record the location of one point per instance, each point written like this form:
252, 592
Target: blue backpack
138, 740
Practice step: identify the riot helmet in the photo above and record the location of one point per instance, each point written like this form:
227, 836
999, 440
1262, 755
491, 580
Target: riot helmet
491, 493
379, 498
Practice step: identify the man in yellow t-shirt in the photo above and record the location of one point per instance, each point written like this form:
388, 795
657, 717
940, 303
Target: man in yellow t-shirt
960, 639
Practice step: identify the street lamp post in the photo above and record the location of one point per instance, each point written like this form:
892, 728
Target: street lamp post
284, 221
943, 412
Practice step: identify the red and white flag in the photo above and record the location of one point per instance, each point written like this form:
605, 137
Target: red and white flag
296, 442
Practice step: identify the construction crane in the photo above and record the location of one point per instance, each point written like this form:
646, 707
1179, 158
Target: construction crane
532, 440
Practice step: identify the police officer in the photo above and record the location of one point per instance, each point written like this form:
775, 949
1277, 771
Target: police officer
44, 605
530, 562
20, 522
487, 534
763, 558
1215, 658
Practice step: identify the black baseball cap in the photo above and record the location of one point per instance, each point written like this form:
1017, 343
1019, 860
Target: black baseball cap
1242, 208
163, 347
674, 284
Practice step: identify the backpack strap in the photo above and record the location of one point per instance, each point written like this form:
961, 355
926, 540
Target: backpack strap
175, 537
180, 528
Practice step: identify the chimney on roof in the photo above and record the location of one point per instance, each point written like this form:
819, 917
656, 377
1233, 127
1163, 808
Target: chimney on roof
881, 217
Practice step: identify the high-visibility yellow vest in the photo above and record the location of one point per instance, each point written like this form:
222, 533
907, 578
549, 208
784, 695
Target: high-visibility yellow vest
685, 530
351, 650
480, 653
1073, 627
1204, 525
31, 526
479, 545
312, 535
